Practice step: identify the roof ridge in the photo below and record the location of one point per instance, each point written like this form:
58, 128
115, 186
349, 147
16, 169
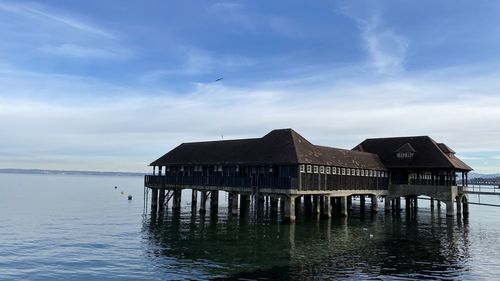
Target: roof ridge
385, 138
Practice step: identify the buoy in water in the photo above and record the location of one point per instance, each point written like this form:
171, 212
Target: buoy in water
130, 197
116, 187
122, 192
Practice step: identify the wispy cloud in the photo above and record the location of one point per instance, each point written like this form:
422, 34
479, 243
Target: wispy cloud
77, 51
386, 49
236, 15
196, 61
41, 13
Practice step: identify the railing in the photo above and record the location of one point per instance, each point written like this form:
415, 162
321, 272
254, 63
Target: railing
342, 182
436, 182
217, 180
480, 189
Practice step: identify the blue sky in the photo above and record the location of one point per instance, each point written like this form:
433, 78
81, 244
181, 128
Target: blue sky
112, 85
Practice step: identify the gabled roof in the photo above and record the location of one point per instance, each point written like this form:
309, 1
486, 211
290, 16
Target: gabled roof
283, 146
405, 148
427, 153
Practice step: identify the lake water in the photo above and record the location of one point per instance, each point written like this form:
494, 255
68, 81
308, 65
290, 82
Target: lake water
62, 227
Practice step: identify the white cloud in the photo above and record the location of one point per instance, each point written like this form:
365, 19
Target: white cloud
133, 125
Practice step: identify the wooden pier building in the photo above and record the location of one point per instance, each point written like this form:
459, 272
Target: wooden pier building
283, 166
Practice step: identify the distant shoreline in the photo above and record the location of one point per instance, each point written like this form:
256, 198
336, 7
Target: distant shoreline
64, 172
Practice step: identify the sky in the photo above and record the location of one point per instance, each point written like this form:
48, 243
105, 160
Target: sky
113, 85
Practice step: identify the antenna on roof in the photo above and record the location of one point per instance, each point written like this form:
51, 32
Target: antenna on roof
221, 136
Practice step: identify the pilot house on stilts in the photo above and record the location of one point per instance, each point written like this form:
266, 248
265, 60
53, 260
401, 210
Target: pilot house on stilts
284, 167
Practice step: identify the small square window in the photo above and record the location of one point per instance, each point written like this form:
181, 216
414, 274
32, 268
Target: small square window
371, 173
343, 171
357, 172
302, 168
378, 173
353, 172
334, 170
328, 170
321, 169
362, 173
348, 172
309, 168
315, 169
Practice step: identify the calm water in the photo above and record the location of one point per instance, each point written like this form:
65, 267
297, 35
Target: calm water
82, 228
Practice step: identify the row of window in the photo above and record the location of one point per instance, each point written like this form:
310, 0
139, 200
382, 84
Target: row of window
341, 171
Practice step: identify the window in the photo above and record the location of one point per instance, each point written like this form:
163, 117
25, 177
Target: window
362, 173
353, 172
182, 169
302, 168
237, 168
322, 169
378, 174
309, 168
348, 172
315, 169
371, 173
328, 170
334, 170
357, 172
343, 171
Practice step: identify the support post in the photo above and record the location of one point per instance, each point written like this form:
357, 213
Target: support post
349, 202
290, 209
274, 205
465, 207
194, 200
244, 204
233, 203
203, 202
362, 201
327, 207
459, 206
154, 200
374, 203
307, 203
316, 204
214, 201
161, 200
398, 204
450, 208
176, 204
343, 206
432, 203
387, 204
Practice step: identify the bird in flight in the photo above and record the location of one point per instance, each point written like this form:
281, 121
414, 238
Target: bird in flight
217, 80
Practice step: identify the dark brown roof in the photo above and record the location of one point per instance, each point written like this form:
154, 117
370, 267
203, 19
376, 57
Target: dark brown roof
284, 146
427, 153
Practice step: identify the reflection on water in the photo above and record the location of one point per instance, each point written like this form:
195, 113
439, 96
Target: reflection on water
365, 245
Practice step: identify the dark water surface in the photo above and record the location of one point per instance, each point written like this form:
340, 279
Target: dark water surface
55, 227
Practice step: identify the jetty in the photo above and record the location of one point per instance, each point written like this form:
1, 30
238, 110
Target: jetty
282, 169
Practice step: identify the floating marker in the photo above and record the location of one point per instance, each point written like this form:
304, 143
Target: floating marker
130, 197
122, 192
116, 187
